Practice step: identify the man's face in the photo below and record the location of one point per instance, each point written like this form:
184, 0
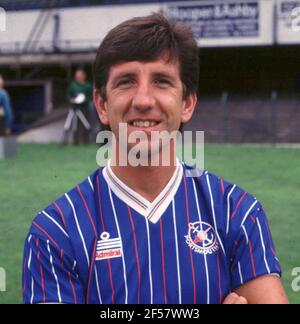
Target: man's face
1, 83
147, 96
80, 76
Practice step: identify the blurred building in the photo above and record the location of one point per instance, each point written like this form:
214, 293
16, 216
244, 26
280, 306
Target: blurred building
249, 54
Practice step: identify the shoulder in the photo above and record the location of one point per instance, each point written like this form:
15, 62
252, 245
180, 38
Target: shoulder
228, 200
3, 93
217, 186
56, 222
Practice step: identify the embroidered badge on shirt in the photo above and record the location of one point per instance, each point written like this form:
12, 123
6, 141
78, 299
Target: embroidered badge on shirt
108, 248
202, 238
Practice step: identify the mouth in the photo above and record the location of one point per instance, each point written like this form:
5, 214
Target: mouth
143, 124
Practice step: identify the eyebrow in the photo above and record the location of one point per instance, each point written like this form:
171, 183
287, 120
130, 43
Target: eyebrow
132, 74
164, 75
122, 75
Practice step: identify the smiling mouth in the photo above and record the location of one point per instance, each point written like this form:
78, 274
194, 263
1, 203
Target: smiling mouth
143, 124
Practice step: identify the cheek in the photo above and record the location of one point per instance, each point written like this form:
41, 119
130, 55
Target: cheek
173, 106
119, 100
116, 107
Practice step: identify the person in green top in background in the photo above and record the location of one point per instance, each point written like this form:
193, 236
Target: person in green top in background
79, 95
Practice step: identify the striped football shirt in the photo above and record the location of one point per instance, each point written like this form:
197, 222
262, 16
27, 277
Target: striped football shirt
103, 243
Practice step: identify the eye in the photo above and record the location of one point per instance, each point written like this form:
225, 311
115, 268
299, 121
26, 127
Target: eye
163, 82
125, 83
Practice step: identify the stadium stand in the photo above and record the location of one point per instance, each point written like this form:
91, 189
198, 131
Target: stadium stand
248, 119
247, 93
40, 4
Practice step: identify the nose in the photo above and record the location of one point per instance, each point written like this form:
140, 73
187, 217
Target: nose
143, 99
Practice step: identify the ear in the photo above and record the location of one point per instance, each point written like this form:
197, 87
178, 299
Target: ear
101, 107
189, 105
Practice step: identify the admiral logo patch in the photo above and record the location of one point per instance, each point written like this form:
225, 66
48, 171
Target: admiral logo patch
108, 248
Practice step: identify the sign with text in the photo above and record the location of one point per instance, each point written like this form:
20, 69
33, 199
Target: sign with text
288, 22
226, 23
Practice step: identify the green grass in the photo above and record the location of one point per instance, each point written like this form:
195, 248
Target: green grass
41, 173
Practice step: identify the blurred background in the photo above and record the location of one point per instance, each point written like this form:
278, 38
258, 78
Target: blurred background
249, 107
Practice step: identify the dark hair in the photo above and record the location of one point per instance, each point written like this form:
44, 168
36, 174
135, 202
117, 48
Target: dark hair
145, 39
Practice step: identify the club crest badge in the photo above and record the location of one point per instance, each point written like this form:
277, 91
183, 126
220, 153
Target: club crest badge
202, 238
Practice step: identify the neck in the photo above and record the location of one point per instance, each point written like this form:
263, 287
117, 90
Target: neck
148, 181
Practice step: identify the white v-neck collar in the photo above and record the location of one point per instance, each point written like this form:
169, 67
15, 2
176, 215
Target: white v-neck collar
151, 210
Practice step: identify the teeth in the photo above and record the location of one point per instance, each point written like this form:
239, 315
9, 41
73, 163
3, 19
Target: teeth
144, 124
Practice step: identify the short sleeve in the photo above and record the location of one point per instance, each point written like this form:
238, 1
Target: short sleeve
254, 253
49, 274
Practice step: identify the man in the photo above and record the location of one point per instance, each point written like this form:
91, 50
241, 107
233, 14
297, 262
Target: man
5, 104
150, 234
79, 94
